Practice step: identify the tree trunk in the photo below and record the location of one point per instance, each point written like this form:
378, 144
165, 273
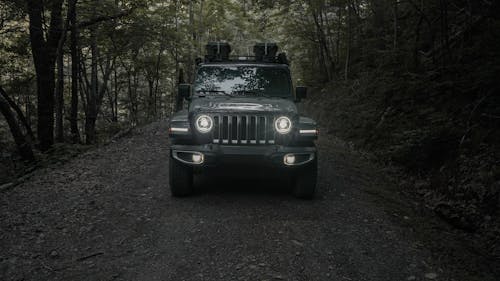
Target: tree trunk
23, 145
416, 58
44, 56
150, 112
112, 96
103, 89
115, 99
20, 114
179, 102
157, 81
445, 38
75, 64
200, 28
395, 26
193, 44
339, 32
59, 95
91, 114
179, 75
348, 44
325, 60
27, 110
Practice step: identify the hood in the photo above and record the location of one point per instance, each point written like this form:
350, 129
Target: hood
242, 104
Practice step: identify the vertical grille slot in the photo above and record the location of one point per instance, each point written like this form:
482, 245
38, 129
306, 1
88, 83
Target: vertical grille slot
234, 129
216, 134
270, 130
261, 130
252, 136
225, 129
243, 129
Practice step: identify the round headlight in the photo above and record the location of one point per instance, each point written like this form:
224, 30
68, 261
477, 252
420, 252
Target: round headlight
204, 124
283, 125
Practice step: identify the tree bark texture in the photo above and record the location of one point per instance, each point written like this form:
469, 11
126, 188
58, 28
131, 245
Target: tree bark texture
44, 56
75, 64
23, 145
20, 115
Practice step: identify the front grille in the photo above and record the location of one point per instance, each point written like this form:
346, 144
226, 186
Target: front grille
243, 129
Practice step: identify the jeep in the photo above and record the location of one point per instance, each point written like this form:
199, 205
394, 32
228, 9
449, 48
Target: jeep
241, 112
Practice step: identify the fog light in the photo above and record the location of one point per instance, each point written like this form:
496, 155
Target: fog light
289, 159
197, 158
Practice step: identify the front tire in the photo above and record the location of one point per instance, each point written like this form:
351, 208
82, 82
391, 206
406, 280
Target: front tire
304, 181
181, 179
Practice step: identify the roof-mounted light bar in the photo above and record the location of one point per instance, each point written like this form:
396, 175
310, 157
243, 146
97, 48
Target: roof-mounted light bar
217, 51
263, 52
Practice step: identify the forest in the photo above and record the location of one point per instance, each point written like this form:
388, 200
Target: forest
412, 82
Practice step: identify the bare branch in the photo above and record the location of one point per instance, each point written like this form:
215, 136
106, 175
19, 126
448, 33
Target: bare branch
100, 19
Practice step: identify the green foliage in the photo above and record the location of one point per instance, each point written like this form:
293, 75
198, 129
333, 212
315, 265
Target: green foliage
437, 119
414, 81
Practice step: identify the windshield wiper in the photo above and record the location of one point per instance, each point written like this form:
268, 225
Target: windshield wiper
214, 91
246, 92
258, 94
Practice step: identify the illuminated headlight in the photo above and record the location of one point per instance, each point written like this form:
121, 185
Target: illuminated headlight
204, 124
283, 125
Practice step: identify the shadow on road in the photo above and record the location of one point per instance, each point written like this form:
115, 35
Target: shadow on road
240, 185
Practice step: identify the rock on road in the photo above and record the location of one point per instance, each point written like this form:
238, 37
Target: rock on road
108, 215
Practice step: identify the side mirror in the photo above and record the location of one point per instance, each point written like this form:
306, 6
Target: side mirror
184, 91
300, 93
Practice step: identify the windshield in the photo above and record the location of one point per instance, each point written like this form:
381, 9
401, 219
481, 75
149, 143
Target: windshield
243, 81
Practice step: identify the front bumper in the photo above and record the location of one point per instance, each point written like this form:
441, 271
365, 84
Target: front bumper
266, 155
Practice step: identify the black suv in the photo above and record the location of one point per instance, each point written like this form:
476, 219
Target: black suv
242, 112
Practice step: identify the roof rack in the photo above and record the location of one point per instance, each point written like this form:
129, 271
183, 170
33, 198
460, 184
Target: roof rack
263, 52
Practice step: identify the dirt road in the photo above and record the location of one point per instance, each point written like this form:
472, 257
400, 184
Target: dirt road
108, 215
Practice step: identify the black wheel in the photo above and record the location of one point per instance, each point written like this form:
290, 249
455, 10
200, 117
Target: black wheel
304, 181
181, 179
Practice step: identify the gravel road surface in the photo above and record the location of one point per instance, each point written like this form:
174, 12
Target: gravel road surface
108, 215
